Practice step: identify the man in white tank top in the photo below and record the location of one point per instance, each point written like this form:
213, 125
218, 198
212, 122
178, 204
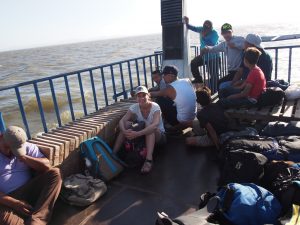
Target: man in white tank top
178, 100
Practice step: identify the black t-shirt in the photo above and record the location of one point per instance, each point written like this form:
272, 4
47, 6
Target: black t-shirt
213, 114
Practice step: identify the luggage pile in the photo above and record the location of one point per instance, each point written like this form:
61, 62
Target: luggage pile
259, 180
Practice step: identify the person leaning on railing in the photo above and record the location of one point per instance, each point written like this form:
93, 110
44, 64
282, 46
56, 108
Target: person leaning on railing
25, 199
233, 47
208, 37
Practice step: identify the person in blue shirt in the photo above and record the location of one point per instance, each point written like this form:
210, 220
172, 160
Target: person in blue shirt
208, 37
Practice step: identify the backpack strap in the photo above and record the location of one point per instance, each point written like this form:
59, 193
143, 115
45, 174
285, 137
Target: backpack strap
109, 150
228, 199
94, 166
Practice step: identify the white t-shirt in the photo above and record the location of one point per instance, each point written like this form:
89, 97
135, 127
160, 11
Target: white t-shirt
135, 108
185, 100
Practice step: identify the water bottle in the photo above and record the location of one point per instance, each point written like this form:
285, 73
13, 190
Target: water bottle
88, 163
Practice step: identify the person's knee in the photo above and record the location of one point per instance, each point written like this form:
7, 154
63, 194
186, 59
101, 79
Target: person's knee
55, 174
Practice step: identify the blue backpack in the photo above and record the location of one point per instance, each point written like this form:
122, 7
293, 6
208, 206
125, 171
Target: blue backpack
245, 204
99, 159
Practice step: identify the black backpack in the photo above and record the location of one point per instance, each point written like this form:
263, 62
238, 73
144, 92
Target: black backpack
134, 151
242, 166
272, 96
266, 146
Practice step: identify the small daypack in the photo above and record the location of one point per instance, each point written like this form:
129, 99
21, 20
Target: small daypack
81, 190
242, 166
99, 159
245, 204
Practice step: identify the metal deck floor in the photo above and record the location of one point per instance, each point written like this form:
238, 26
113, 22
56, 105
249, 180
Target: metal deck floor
179, 176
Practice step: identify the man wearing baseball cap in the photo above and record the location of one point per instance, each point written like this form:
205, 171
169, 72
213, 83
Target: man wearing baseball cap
233, 47
177, 101
25, 199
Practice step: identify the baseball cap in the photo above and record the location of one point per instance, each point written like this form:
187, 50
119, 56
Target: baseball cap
254, 39
15, 137
141, 89
226, 27
170, 70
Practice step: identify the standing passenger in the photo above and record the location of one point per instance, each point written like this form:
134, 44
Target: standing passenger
208, 37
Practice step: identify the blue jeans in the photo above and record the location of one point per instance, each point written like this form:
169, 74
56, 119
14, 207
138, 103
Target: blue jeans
224, 85
236, 102
224, 93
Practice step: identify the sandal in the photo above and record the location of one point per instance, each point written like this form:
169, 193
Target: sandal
147, 167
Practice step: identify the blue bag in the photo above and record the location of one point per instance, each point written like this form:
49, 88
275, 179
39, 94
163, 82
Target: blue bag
245, 204
99, 159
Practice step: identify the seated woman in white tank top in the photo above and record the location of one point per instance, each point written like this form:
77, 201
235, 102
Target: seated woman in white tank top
149, 112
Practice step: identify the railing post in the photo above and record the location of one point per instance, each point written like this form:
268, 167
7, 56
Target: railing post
290, 64
122, 81
94, 90
137, 72
130, 75
145, 73
104, 86
151, 69
82, 93
2, 124
276, 63
22, 111
156, 61
56, 108
113, 82
69, 97
38, 99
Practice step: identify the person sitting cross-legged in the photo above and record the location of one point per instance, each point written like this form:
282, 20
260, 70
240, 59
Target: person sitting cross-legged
211, 118
24, 198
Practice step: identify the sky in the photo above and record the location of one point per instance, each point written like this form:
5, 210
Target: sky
34, 23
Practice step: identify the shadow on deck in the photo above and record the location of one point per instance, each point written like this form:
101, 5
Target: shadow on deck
179, 176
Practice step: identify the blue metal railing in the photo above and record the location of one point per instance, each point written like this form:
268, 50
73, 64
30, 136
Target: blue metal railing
117, 80
115, 85
2, 123
281, 53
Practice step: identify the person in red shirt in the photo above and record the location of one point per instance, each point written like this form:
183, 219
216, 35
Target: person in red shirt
251, 88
